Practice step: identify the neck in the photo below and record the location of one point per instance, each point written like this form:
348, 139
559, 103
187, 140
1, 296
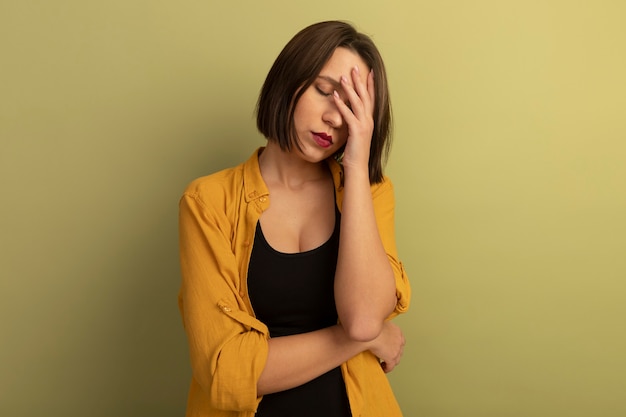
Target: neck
287, 168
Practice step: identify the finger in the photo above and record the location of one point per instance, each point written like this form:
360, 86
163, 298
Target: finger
389, 366
366, 91
370, 88
353, 97
345, 111
362, 88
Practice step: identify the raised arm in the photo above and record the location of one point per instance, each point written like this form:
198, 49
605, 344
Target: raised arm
365, 289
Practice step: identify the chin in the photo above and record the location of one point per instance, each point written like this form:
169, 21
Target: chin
320, 156
315, 154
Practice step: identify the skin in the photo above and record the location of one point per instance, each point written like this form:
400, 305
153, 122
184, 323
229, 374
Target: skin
301, 217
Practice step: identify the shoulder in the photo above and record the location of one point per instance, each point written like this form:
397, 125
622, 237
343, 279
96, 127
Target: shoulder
227, 185
217, 182
385, 186
383, 195
219, 186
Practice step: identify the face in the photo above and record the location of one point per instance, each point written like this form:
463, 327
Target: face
320, 127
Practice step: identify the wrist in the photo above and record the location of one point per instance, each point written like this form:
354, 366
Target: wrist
356, 171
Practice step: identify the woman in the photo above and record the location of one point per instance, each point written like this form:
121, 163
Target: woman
289, 264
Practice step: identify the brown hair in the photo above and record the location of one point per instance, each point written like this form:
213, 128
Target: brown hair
296, 68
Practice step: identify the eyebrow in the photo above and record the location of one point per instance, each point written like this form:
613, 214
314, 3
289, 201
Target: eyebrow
330, 80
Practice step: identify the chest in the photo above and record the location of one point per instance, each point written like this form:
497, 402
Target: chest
299, 220
293, 292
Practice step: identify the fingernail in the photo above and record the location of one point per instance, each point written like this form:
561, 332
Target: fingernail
356, 68
344, 79
335, 93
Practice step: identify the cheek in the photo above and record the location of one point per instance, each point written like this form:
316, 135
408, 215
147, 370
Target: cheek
298, 115
303, 108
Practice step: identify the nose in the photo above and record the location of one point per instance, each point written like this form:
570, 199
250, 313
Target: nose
332, 116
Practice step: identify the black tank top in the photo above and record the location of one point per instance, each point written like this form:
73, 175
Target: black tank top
293, 293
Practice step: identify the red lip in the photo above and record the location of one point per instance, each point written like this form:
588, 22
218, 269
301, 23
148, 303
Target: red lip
322, 139
324, 136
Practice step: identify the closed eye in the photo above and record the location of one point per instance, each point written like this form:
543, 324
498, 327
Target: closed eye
334, 85
322, 92
325, 94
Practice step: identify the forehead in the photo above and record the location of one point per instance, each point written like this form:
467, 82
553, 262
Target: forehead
341, 62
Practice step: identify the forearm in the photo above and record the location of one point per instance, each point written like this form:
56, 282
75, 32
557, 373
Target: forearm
364, 281
295, 360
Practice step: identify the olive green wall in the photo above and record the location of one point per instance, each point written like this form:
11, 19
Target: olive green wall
509, 164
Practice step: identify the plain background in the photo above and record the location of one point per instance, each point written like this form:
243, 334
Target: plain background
509, 166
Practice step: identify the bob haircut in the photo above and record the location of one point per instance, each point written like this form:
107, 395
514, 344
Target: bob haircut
297, 67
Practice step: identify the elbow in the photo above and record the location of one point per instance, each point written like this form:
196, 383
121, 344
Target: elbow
363, 330
364, 325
